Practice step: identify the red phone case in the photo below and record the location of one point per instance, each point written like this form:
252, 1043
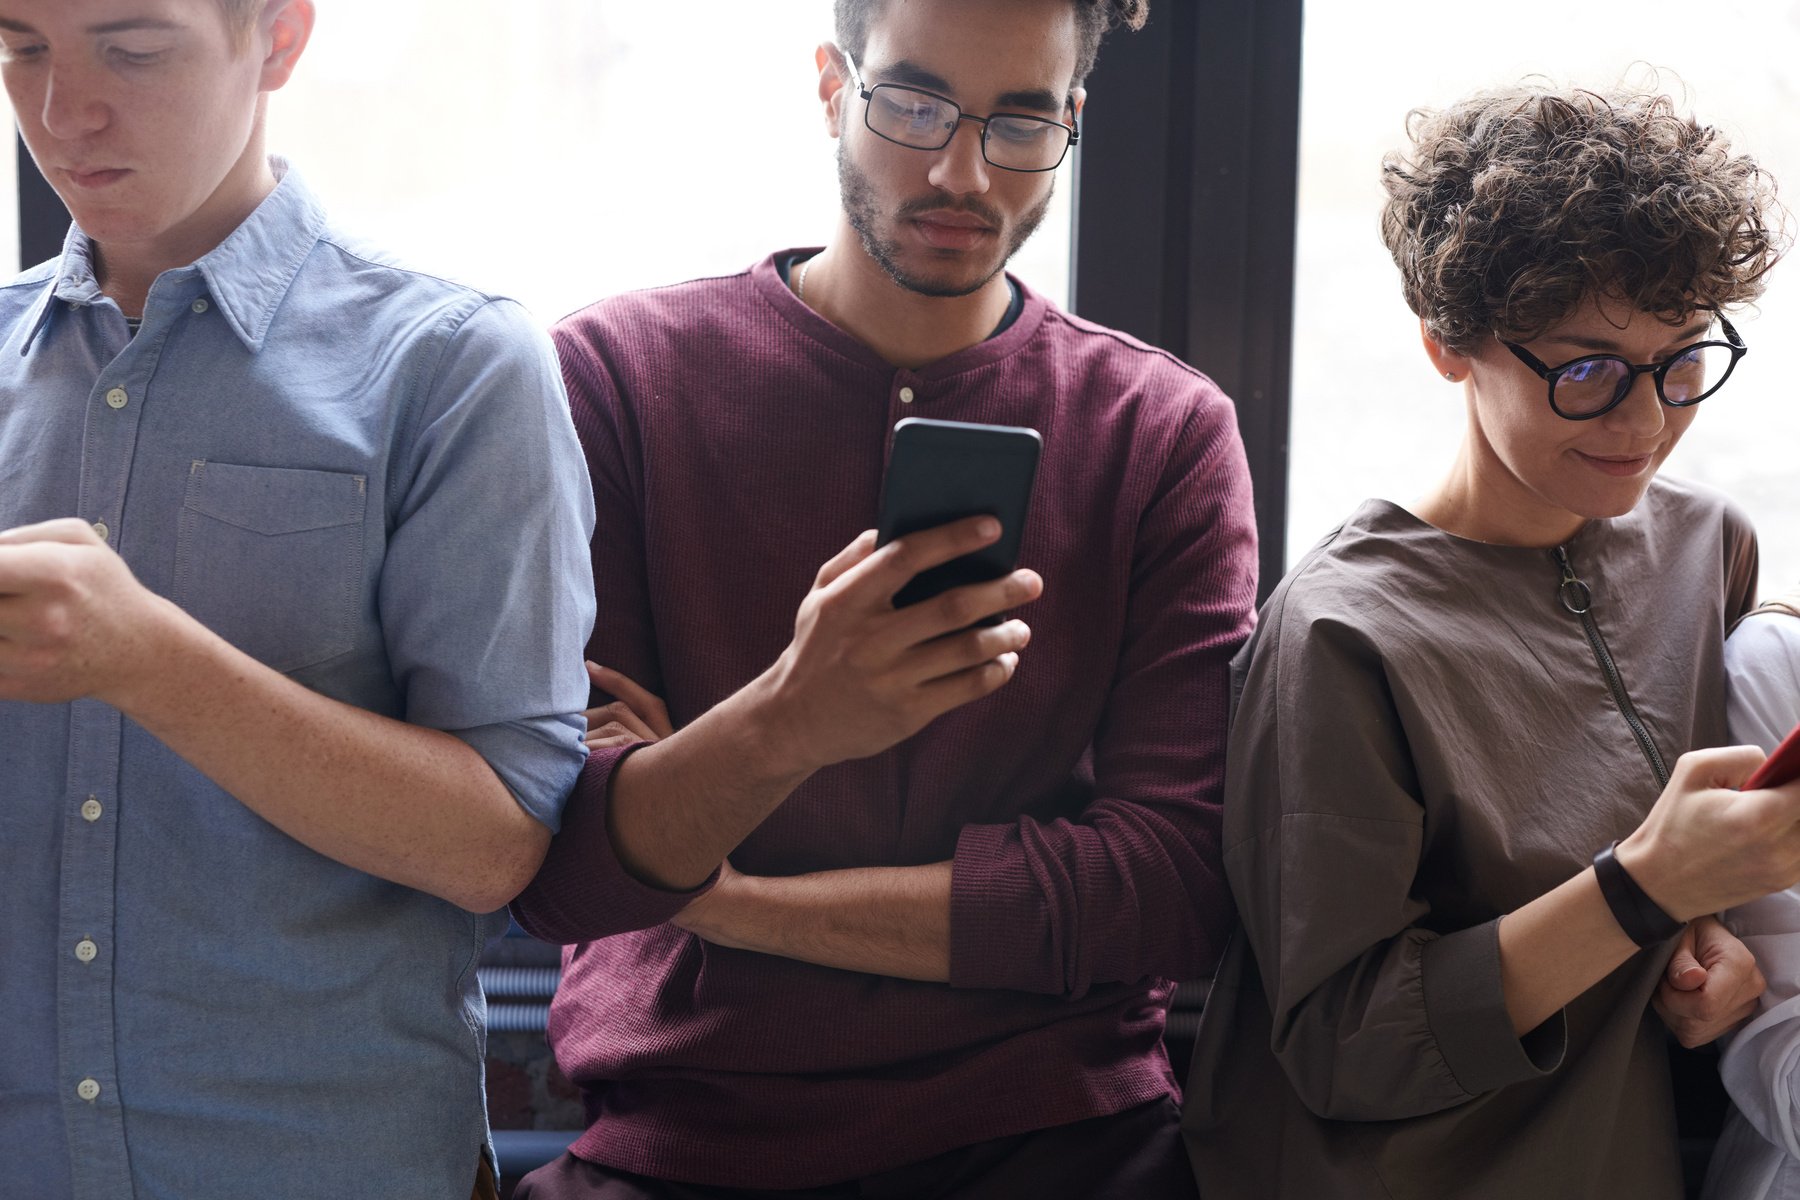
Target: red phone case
1781, 766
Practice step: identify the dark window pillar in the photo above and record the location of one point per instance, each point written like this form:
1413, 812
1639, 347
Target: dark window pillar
1185, 208
43, 221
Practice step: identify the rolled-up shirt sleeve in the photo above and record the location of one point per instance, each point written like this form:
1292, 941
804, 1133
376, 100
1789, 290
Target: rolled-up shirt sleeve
485, 596
1379, 1013
582, 891
1133, 886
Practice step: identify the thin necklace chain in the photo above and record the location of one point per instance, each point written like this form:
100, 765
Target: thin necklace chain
801, 290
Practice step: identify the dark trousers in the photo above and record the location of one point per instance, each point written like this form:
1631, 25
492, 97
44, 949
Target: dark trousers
1133, 1155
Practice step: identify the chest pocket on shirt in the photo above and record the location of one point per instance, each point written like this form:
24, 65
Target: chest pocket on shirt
270, 559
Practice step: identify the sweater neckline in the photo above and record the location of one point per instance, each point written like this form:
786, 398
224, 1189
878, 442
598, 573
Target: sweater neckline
766, 276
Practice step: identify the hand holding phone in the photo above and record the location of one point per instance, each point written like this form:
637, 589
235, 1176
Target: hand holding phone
1781, 767
943, 471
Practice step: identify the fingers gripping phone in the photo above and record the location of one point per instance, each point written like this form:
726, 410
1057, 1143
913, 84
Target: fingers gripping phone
943, 471
1781, 767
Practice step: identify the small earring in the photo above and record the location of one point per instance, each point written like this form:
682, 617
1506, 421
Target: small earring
1450, 375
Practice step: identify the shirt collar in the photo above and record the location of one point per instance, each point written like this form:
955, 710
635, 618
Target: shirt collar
248, 273
72, 282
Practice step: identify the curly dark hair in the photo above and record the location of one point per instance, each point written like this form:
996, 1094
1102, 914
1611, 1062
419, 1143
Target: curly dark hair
1513, 206
1095, 17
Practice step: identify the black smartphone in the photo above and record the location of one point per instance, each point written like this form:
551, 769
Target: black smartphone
943, 471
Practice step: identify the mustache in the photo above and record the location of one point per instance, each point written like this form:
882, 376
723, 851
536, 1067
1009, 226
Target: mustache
932, 204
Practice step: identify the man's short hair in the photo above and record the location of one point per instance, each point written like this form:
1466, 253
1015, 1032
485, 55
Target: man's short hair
1512, 207
240, 17
1093, 18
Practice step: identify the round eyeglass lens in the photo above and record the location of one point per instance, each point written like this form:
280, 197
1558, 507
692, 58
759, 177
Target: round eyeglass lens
1589, 385
911, 118
1696, 374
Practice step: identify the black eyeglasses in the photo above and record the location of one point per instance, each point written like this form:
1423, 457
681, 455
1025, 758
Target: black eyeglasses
1592, 386
909, 116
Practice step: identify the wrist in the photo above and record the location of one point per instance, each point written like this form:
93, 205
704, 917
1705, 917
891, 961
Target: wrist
728, 915
771, 726
155, 663
1641, 856
1644, 918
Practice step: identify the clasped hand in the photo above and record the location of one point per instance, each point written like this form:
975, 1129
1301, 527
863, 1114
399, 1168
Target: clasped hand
74, 620
1711, 985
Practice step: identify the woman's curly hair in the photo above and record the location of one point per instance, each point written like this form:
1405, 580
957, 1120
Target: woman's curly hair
1514, 206
1093, 17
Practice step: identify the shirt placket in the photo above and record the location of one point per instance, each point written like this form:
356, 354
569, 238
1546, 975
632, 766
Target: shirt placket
86, 960
905, 391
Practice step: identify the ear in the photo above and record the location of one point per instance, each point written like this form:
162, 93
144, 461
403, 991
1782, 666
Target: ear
834, 83
1078, 97
282, 34
1449, 364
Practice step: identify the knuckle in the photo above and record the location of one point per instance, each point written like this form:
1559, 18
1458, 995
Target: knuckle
959, 608
826, 606
58, 624
903, 556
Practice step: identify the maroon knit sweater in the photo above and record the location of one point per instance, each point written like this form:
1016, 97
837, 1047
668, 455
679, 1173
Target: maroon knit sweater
737, 441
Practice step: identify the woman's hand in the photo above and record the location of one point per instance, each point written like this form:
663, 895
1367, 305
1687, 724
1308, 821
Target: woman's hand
1706, 846
1711, 985
636, 716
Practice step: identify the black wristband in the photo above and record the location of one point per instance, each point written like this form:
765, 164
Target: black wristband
1643, 921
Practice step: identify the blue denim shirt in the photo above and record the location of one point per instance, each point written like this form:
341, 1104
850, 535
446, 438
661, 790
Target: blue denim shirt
366, 478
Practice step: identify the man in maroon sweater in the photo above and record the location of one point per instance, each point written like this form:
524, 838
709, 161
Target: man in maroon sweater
937, 959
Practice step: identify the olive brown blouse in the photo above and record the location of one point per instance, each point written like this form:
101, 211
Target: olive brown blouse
1432, 732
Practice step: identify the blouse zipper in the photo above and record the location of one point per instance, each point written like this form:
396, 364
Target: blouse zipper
1578, 598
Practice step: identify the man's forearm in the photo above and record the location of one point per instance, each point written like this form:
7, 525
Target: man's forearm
881, 920
416, 806
680, 806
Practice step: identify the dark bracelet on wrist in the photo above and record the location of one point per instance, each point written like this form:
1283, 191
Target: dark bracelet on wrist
1643, 921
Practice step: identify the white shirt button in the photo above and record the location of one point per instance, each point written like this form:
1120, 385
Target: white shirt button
117, 398
906, 395
86, 951
101, 531
88, 1090
90, 809
200, 305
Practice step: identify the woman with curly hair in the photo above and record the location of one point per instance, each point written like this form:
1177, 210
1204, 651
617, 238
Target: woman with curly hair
1469, 808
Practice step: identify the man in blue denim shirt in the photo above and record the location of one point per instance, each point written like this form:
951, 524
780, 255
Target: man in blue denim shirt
293, 592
